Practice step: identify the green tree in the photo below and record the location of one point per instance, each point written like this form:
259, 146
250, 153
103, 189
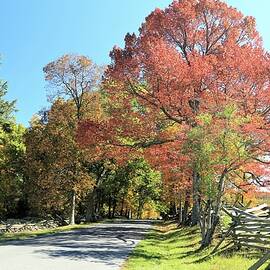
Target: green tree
221, 149
11, 156
6, 107
144, 184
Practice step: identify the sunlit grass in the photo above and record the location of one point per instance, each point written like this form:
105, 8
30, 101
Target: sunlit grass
170, 248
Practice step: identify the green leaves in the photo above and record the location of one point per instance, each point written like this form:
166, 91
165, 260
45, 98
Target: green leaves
6, 107
12, 150
145, 182
205, 118
217, 143
229, 111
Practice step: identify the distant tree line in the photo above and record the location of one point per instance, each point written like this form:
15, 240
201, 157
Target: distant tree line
45, 172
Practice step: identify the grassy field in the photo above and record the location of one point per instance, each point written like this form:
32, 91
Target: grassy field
27, 234
170, 248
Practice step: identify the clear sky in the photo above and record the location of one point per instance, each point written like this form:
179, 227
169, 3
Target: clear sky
35, 32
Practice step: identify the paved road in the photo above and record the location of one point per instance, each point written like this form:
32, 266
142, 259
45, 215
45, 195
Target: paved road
103, 247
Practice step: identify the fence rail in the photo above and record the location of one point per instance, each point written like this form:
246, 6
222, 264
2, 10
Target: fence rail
250, 228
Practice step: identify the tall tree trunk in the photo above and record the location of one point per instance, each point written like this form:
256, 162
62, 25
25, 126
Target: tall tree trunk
140, 208
196, 198
180, 209
73, 205
110, 207
129, 215
186, 207
90, 211
138, 211
175, 207
100, 206
114, 207
213, 218
122, 207
97, 202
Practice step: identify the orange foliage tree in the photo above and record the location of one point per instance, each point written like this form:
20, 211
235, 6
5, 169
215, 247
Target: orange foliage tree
193, 60
73, 77
55, 164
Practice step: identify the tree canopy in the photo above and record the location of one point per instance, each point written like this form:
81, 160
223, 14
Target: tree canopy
177, 123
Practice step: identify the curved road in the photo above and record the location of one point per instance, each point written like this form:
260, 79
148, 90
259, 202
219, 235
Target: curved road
102, 247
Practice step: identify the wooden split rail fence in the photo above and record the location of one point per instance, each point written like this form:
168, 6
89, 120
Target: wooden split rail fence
250, 228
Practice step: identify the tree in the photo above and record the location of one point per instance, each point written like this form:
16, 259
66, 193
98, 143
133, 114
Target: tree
58, 166
103, 171
11, 157
223, 150
11, 173
145, 184
121, 189
193, 58
6, 107
72, 77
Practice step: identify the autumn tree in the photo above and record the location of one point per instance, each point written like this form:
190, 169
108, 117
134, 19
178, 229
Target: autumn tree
58, 166
72, 77
225, 153
193, 58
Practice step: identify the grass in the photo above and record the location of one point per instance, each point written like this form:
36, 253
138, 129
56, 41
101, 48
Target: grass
167, 247
28, 234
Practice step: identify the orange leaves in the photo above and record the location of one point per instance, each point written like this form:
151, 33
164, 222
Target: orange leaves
190, 48
194, 58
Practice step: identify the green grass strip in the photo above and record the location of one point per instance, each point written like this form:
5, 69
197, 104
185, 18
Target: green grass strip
168, 247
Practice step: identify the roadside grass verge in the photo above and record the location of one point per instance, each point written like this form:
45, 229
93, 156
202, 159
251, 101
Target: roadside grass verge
28, 234
167, 247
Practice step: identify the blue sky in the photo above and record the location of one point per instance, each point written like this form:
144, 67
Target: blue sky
35, 32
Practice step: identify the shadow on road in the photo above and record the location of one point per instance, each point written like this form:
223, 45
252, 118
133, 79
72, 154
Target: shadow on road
106, 243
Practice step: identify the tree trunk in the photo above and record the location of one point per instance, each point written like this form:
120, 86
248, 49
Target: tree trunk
114, 207
186, 207
97, 202
213, 216
180, 209
100, 206
196, 199
72, 212
209, 232
110, 207
122, 207
140, 209
129, 214
90, 211
175, 207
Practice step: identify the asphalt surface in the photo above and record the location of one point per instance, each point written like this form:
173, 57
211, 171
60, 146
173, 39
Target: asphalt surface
102, 247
